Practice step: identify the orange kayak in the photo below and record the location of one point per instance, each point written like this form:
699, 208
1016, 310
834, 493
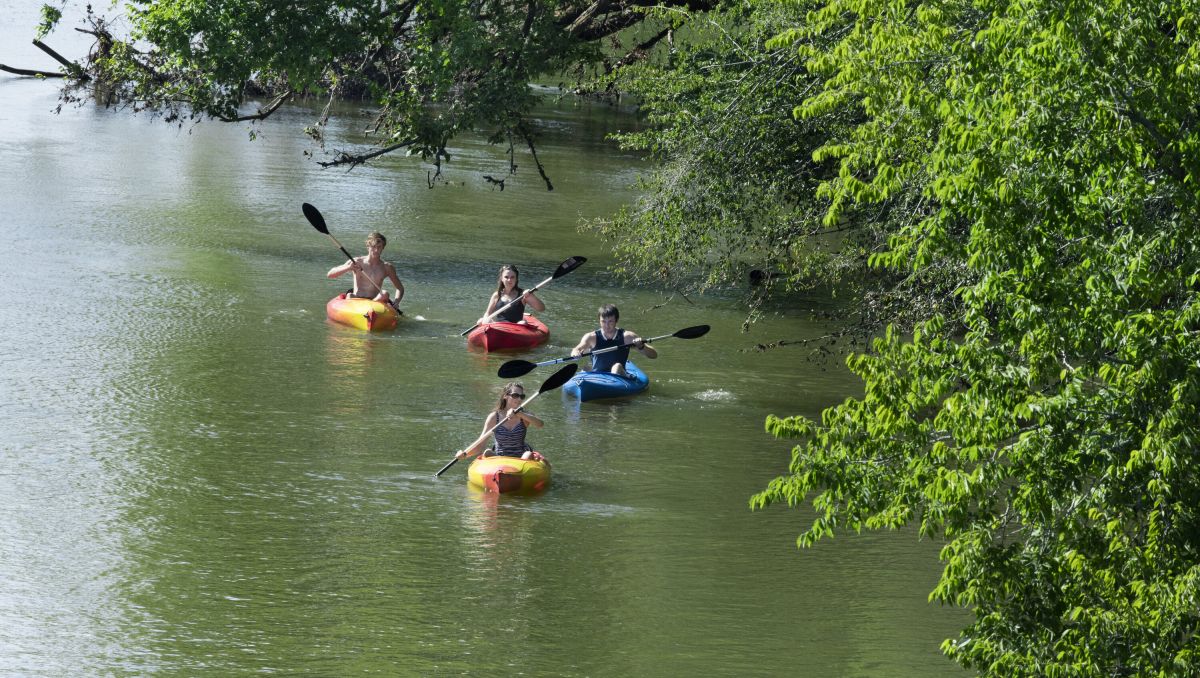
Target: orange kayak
364, 314
509, 474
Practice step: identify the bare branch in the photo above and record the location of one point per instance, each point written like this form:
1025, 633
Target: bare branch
782, 342
356, 160
73, 68
584, 17
262, 112
533, 151
35, 74
638, 53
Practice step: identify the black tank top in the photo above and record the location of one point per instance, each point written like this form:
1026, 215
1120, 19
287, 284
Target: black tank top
605, 361
515, 313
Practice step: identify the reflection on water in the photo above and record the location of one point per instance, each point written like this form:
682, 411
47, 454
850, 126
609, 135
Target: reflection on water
350, 361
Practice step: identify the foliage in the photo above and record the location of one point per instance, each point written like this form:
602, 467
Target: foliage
50, 17
1052, 443
735, 193
435, 68
733, 165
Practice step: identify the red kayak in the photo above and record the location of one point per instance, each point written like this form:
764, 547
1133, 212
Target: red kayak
505, 336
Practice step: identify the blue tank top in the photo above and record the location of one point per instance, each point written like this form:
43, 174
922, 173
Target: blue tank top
515, 313
605, 361
510, 442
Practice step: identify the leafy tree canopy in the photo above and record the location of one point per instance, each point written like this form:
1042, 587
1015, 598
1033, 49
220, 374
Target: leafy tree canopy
1047, 432
739, 189
435, 68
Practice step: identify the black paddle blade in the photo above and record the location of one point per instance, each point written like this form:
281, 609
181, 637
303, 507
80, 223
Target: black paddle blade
568, 266
515, 368
692, 332
559, 378
314, 217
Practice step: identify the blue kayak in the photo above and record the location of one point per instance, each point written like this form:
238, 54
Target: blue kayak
596, 385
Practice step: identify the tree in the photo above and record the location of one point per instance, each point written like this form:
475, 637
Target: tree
735, 194
1051, 442
435, 68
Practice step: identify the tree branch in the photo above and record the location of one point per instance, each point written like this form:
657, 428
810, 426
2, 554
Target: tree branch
73, 68
638, 53
584, 17
606, 17
36, 74
356, 160
533, 151
530, 15
262, 112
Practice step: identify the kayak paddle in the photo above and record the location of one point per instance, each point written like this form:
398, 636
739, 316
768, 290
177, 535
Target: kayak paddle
516, 368
557, 379
318, 222
564, 268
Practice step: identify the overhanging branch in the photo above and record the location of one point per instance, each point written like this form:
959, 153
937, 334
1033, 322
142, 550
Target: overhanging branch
262, 112
638, 53
533, 151
356, 160
30, 73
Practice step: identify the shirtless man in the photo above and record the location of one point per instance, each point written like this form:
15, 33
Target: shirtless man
370, 272
608, 336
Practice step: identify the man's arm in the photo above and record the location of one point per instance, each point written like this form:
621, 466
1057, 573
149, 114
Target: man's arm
391, 274
337, 271
585, 344
637, 343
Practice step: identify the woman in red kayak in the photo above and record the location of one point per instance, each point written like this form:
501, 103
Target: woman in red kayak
510, 426
509, 290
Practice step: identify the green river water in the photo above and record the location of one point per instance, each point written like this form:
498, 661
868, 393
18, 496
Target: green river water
199, 475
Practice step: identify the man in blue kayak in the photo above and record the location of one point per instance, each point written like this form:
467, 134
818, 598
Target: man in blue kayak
609, 336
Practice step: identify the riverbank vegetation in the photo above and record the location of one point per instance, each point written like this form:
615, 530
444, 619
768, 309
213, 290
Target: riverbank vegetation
1013, 185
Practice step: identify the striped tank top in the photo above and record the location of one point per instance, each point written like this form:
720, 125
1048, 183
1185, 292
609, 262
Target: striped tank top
510, 442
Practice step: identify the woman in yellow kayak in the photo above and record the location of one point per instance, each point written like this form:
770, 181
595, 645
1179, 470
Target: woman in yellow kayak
509, 426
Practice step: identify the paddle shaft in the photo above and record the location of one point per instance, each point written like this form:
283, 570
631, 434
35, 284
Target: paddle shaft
517, 368
599, 351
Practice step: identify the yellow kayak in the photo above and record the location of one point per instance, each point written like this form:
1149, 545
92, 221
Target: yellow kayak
509, 474
364, 314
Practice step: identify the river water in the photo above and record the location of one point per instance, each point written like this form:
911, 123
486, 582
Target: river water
199, 475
